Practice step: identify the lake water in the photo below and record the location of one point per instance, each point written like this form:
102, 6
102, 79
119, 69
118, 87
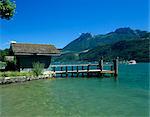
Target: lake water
80, 97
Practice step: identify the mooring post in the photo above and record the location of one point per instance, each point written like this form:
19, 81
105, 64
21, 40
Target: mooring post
116, 66
77, 71
101, 64
82, 71
88, 68
54, 69
66, 71
111, 67
72, 71
61, 70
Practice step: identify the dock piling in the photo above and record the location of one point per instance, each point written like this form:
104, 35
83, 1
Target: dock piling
111, 69
77, 71
82, 72
72, 70
54, 69
116, 66
66, 71
101, 64
61, 70
88, 68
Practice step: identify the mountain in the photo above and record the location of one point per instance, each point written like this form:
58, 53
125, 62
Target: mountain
125, 50
81, 43
123, 42
87, 41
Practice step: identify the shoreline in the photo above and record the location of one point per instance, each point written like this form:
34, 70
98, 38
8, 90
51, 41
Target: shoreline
20, 79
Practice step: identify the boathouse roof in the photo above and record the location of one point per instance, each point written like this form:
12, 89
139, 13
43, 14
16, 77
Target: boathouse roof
33, 49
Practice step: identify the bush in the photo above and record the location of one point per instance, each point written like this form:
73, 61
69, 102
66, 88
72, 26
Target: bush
11, 65
37, 68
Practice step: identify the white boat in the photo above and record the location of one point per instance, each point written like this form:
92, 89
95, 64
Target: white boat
132, 62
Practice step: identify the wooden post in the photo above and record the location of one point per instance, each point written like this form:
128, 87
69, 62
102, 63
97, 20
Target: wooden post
98, 66
77, 71
72, 71
82, 71
101, 64
88, 67
61, 70
66, 71
54, 69
111, 69
116, 66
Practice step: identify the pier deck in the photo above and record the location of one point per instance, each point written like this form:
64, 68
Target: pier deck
85, 71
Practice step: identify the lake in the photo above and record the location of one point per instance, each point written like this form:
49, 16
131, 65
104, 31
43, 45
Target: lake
126, 96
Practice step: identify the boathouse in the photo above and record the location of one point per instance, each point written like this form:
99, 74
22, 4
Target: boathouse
27, 54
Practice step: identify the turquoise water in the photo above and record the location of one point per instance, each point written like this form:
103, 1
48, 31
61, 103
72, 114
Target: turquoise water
126, 96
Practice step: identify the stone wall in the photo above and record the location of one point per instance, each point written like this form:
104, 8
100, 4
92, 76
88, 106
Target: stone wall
17, 79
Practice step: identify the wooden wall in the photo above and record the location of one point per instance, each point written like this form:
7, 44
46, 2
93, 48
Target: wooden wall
26, 61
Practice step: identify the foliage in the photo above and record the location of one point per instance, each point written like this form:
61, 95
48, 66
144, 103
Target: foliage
11, 66
7, 9
126, 50
37, 68
13, 74
3, 53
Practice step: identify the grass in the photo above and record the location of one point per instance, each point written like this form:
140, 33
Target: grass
13, 74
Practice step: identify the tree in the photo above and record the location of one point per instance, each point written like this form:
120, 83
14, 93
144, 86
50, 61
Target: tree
7, 9
3, 53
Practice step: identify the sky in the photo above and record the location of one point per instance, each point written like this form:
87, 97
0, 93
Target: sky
58, 22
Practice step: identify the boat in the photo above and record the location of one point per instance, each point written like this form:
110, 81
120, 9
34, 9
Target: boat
132, 62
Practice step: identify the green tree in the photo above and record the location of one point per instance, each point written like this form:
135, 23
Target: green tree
3, 53
7, 9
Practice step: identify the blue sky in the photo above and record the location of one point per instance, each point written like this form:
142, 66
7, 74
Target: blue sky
58, 22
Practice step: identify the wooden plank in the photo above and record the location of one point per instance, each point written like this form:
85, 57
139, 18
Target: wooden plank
69, 65
85, 71
107, 72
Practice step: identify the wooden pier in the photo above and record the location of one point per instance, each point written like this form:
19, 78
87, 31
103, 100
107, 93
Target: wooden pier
85, 70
